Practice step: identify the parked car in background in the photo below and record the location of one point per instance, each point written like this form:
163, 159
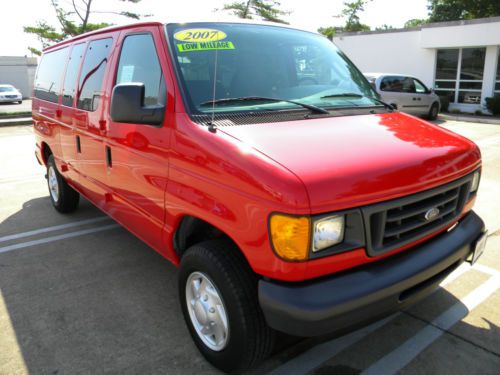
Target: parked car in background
407, 94
9, 94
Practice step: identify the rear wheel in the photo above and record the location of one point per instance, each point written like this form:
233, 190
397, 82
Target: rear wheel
63, 197
433, 112
218, 294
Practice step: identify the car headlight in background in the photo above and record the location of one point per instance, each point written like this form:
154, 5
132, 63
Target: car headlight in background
475, 182
327, 232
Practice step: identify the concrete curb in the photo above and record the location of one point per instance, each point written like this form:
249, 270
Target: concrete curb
16, 121
478, 119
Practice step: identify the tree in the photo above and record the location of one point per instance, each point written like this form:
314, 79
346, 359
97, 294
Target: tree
72, 22
329, 31
266, 9
451, 10
350, 14
415, 22
384, 27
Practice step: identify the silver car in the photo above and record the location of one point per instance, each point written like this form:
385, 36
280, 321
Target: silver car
407, 94
9, 94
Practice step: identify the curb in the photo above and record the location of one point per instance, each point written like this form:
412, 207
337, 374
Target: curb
16, 121
478, 119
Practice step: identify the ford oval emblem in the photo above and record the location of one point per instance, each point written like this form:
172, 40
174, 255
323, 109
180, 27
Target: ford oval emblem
431, 214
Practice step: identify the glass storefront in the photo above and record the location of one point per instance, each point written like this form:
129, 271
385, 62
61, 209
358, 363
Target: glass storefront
497, 83
459, 74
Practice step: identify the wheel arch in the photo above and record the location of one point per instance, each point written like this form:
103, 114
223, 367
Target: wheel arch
192, 230
46, 152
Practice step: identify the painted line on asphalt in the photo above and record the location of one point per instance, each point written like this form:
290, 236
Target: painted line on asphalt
316, 356
52, 228
23, 245
397, 359
486, 269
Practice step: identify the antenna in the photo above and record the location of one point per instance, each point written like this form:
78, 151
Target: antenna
211, 126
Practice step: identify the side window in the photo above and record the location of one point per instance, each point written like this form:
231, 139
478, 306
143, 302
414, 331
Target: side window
139, 63
393, 84
419, 87
397, 84
48, 79
92, 74
69, 88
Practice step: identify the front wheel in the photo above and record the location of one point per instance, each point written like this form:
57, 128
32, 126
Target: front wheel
218, 294
63, 197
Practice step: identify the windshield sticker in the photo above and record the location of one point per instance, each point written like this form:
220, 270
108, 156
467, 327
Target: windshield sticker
206, 46
127, 74
199, 35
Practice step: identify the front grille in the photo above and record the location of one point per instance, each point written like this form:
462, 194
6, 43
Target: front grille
393, 224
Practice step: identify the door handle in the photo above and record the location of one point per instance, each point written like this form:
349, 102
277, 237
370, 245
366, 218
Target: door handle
109, 160
414, 98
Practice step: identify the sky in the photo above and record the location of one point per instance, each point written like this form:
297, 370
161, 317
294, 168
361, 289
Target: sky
306, 14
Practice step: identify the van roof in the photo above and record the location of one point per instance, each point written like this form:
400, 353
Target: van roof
157, 23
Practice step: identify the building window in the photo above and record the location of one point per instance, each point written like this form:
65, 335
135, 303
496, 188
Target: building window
497, 83
459, 74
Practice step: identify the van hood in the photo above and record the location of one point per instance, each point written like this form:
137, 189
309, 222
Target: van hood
351, 161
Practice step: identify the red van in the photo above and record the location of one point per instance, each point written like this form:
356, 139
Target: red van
259, 160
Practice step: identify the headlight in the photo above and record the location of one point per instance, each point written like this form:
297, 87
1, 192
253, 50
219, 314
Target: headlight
290, 236
475, 182
327, 232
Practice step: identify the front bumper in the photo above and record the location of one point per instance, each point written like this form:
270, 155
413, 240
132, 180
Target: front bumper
11, 100
351, 299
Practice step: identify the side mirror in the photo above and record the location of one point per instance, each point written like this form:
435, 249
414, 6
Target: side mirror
127, 105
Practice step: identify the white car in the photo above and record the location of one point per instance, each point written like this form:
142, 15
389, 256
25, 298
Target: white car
406, 93
9, 94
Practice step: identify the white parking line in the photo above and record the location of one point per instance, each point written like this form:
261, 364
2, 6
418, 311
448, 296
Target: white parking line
52, 228
405, 353
319, 354
56, 238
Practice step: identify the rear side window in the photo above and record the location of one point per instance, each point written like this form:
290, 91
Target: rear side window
92, 74
397, 84
139, 63
49, 76
70, 81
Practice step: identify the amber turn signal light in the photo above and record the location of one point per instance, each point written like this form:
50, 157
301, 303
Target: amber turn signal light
290, 236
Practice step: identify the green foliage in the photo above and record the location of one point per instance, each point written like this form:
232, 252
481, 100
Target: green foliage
350, 14
493, 105
384, 27
416, 22
329, 32
72, 22
451, 10
266, 9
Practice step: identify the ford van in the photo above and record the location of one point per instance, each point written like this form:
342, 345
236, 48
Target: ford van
258, 159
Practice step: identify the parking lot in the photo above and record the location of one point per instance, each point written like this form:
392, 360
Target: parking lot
79, 294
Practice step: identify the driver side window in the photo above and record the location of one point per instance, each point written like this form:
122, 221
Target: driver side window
139, 63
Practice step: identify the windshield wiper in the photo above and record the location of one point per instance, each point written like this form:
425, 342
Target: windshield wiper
359, 96
311, 107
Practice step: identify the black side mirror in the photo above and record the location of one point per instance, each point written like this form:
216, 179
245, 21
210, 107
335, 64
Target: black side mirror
127, 105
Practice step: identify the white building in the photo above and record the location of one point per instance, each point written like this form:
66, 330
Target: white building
19, 72
460, 59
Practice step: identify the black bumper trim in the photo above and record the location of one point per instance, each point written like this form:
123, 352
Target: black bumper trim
351, 299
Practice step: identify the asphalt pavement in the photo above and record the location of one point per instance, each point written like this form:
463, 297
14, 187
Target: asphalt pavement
81, 295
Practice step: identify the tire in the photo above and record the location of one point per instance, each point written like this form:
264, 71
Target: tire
20, 102
248, 339
433, 112
63, 197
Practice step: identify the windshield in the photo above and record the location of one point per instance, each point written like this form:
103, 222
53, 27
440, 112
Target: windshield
263, 61
7, 89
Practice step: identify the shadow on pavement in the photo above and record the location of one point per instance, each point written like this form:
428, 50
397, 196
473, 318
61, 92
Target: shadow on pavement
105, 302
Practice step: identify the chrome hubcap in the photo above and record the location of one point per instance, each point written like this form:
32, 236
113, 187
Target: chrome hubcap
207, 311
53, 184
